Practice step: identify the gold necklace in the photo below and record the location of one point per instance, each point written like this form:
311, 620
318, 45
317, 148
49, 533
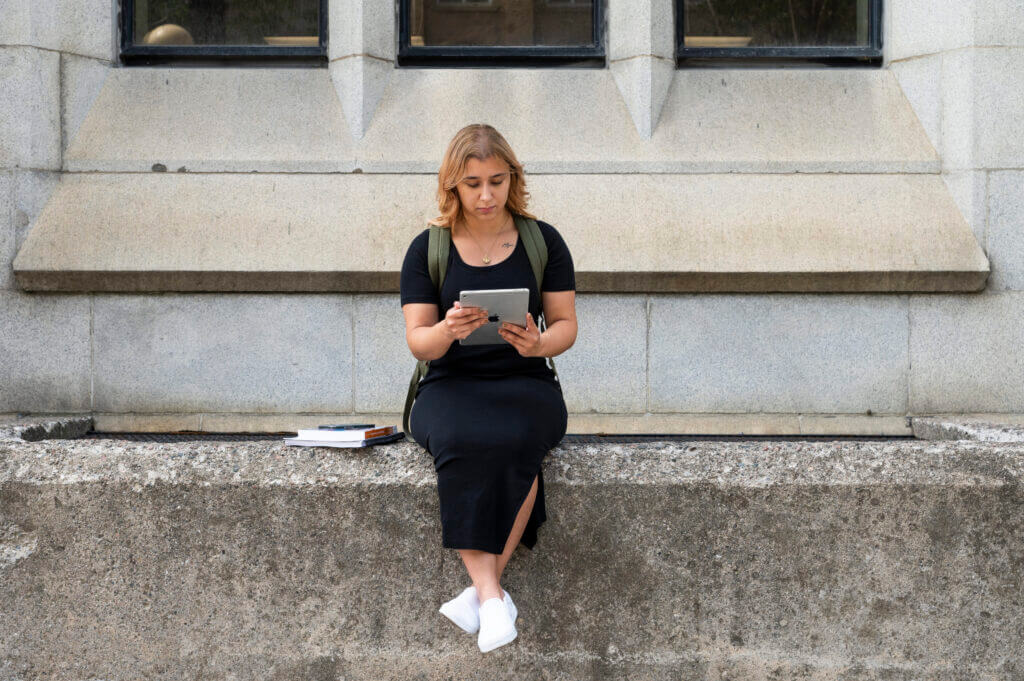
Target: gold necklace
486, 258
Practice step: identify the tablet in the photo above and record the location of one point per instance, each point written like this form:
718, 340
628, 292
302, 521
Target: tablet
502, 305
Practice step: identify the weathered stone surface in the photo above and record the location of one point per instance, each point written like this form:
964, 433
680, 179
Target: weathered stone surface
44, 353
29, 108
282, 119
966, 353
610, 350
80, 83
983, 93
744, 354
916, 27
8, 247
1005, 239
747, 560
209, 119
383, 363
966, 429
84, 27
232, 352
627, 233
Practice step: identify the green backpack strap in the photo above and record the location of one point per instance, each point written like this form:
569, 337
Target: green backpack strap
537, 252
439, 242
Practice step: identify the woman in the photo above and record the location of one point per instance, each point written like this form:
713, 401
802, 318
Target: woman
488, 414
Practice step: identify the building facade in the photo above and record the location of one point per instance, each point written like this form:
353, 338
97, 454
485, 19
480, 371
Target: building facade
825, 236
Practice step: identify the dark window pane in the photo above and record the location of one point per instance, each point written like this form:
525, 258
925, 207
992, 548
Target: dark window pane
227, 22
501, 22
775, 23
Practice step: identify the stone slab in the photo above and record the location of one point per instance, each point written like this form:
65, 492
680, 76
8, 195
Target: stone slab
920, 27
81, 27
383, 363
290, 120
998, 22
30, 108
966, 353
23, 193
627, 233
81, 81
8, 245
920, 79
966, 429
779, 354
208, 119
1005, 239
45, 351
969, 189
222, 352
983, 93
605, 370
826, 561
362, 28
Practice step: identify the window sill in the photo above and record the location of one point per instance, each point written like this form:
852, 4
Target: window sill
130, 232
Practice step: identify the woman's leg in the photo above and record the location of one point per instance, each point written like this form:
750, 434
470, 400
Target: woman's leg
517, 530
485, 568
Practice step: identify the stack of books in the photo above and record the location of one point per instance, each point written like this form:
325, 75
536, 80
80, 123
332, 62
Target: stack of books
346, 435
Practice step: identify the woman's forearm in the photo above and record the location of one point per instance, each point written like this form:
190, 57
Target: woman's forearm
558, 337
429, 342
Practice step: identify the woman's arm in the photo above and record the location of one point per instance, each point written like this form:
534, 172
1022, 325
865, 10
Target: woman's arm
429, 338
560, 312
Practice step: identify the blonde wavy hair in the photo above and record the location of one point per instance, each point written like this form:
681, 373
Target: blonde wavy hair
479, 141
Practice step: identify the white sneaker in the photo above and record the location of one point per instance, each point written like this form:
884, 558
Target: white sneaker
464, 609
496, 627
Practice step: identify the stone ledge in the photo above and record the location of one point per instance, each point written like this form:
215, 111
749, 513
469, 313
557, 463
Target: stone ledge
979, 430
975, 427
823, 561
883, 425
628, 233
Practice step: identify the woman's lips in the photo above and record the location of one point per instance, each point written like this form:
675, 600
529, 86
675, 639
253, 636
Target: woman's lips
487, 210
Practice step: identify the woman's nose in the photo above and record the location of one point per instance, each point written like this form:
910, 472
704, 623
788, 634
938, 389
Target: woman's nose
486, 192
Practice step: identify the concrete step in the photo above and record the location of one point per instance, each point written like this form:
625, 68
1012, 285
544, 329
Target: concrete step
703, 560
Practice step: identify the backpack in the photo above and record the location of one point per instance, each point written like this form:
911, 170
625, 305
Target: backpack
438, 246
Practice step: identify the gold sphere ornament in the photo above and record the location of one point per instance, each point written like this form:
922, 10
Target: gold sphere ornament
168, 34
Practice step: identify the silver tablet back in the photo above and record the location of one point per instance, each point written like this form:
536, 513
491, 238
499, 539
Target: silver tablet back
503, 304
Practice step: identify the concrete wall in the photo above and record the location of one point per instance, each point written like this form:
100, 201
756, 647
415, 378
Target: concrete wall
658, 362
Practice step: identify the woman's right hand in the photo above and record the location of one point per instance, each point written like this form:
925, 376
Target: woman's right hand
460, 321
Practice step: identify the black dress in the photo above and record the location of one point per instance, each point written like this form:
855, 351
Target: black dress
486, 414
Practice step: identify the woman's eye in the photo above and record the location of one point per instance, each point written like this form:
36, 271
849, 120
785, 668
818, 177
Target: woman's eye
473, 186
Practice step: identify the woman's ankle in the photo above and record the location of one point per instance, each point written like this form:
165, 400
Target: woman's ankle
488, 592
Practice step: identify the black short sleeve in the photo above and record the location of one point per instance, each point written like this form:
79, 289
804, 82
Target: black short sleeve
415, 285
559, 275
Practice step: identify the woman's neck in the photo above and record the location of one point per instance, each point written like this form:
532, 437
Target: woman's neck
486, 229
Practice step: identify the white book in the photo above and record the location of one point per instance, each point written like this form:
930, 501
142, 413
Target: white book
324, 434
301, 442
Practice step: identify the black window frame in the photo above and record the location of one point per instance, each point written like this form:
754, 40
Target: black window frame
149, 55
464, 56
866, 56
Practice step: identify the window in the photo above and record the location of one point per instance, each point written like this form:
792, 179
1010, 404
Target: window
161, 31
835, 32
505, 32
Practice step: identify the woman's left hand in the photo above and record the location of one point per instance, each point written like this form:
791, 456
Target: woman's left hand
527, 341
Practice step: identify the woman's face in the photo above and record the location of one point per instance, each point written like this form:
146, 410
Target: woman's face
483, 190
